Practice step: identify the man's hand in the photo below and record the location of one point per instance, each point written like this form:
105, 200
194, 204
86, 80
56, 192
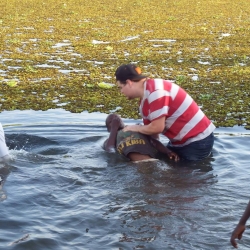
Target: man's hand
173, 156
163, 149
237, 234
134, 128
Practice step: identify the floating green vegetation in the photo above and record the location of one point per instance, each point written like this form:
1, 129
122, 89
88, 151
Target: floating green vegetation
64, 54
12, 83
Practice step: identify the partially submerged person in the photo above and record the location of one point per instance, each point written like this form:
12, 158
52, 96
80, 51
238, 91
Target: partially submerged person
133, 145
240, 228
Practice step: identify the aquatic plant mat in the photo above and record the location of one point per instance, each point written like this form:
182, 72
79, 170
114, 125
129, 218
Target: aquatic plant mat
64, 53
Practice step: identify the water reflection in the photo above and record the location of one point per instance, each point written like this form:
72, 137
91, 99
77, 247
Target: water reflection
158, 197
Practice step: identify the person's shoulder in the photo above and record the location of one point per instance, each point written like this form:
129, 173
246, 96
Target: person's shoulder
158, 84
134, 134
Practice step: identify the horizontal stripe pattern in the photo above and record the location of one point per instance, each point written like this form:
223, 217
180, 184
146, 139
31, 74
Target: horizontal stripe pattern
184, 122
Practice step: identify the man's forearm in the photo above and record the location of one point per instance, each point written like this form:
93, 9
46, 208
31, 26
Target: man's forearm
154, 128
246, 215
149, 129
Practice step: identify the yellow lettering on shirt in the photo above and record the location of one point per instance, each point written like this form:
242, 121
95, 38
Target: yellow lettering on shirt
120, 147
128, 143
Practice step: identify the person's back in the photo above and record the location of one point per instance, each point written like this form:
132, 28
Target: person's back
135, 146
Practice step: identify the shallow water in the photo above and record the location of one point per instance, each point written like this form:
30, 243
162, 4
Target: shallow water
62, 191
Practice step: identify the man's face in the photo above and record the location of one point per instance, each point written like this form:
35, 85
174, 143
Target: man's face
126, 89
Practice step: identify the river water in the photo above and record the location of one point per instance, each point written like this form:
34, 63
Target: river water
62, 191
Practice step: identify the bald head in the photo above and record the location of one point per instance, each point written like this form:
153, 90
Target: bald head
110, 119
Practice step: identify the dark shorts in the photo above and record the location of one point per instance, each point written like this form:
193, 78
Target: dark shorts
134, 142
195, 151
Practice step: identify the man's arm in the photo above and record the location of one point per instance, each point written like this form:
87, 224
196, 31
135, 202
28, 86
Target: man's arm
240, 228
154, 128
161, 148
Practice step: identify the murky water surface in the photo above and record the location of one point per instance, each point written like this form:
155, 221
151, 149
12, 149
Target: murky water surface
62, 191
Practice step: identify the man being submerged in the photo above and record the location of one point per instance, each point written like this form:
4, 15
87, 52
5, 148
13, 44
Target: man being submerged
133, 145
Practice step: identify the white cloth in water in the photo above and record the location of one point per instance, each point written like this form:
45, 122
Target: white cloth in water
3, 147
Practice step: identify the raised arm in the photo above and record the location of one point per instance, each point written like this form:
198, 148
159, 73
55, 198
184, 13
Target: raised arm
240, 228
113, 126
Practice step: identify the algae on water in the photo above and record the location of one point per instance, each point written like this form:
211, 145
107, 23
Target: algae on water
64, 53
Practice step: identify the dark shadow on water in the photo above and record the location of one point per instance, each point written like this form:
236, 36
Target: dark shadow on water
26, 141
34, 144
89, 139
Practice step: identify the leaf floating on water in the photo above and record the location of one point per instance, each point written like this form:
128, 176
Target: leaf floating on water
104, 85
12, 83
88, 85
109, 48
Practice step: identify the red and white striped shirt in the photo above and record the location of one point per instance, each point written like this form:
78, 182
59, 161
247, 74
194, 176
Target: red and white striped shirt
185, 122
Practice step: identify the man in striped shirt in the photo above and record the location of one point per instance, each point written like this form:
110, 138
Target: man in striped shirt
167, 108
